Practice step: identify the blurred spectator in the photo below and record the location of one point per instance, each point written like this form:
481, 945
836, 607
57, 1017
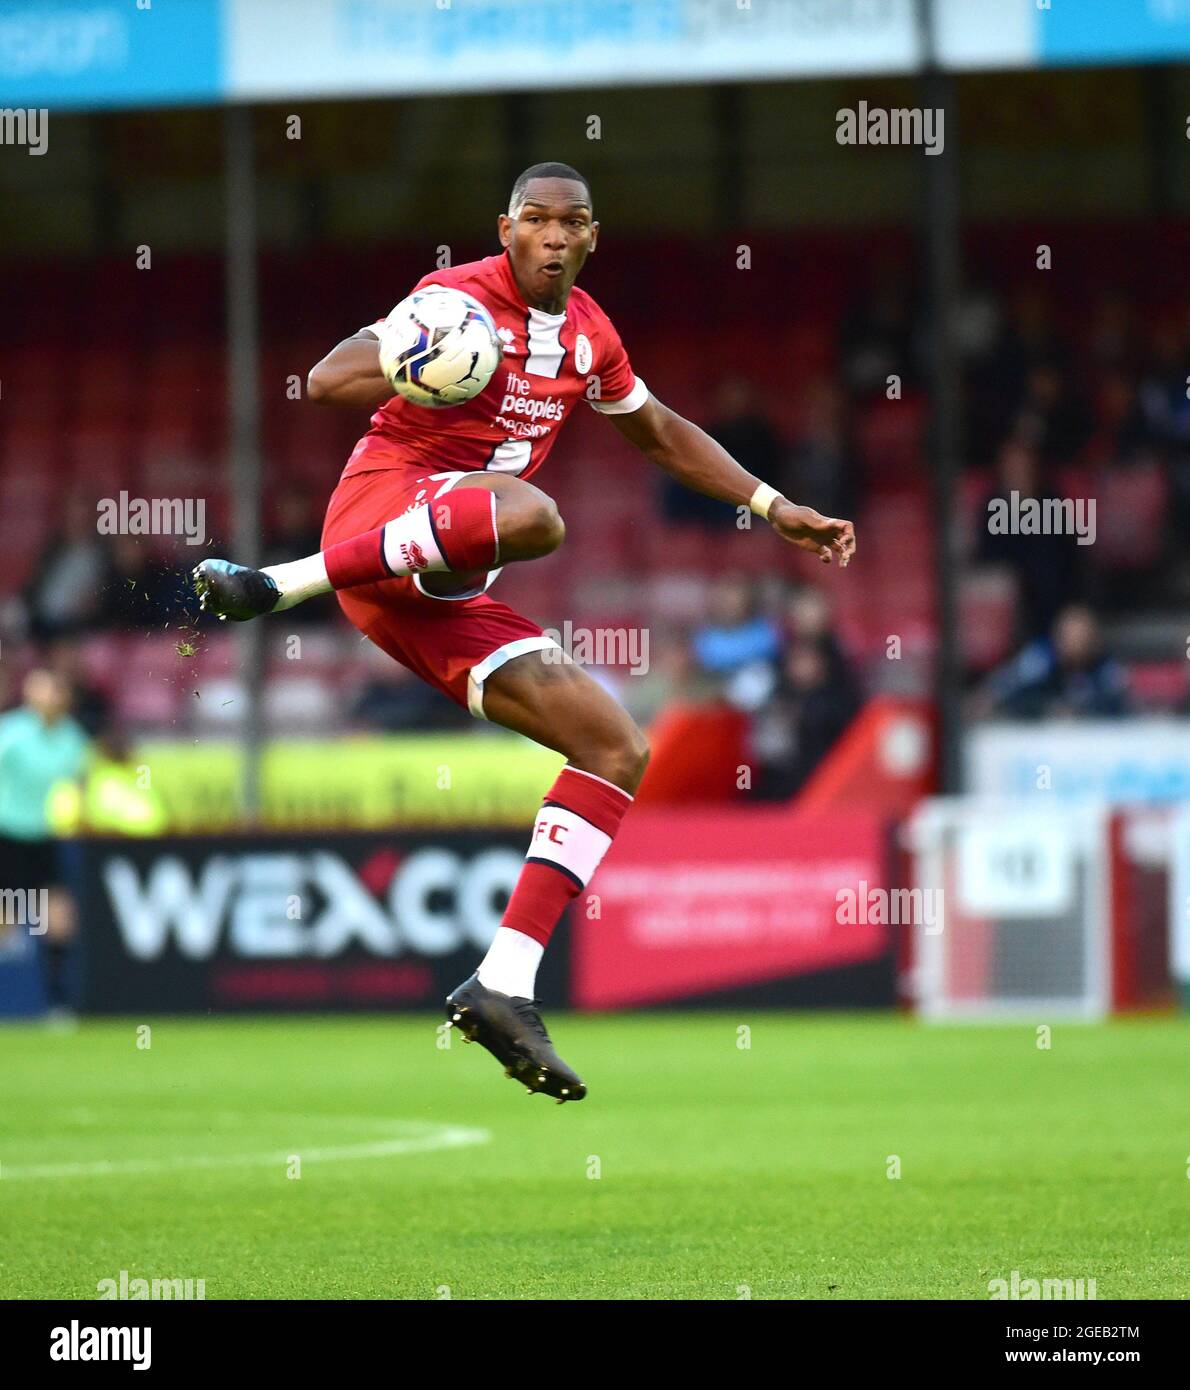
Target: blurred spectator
811, 707
1030, 336
296, 531
89, 705
877, 337
737, 645
1163, 395
998, 379
63, 593
116, 796
1119, 432
671, 677
40, 744
821, 471
391, 698
1047, 567
142, 590
1050, 419
734, 634
739, 423
1112, 331
808, 618
1165, 405
1065, 675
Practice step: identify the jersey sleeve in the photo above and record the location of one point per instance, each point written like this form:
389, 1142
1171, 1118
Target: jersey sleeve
621, 391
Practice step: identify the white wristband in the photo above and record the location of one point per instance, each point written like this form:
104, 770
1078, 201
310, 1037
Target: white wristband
763, 499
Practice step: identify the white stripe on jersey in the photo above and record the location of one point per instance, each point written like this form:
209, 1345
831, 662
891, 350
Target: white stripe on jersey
513, 456
545, 346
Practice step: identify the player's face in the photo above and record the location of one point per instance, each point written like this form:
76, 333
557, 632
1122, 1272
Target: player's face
548, 240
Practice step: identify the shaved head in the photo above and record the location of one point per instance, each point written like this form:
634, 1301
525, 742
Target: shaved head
543, 171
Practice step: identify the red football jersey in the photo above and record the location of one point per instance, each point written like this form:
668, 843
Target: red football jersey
550, 361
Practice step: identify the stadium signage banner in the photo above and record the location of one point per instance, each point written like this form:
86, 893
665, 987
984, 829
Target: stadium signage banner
694, 904
370, 782
97, 53
405, 47
1139, 761
341, 921
337, 47
1179, 904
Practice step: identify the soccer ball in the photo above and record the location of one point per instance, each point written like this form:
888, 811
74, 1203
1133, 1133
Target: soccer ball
439, 347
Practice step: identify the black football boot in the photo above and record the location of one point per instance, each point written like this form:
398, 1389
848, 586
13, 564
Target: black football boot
511, 1029
233, 591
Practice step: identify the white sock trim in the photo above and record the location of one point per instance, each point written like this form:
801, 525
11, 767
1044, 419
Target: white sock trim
410, 546
594, 776
299, 580
510, 965
563, 838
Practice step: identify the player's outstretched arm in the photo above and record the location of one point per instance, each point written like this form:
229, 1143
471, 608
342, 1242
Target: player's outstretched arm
689, 454
350, 375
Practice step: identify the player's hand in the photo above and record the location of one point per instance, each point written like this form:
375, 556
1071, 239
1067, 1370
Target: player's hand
825, 536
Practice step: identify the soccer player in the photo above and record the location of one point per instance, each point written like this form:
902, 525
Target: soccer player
433, 503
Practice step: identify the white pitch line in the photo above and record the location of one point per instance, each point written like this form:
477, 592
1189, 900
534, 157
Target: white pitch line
430, 1138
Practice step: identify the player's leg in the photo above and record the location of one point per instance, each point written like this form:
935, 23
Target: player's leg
549, 699
468, 524
558, 705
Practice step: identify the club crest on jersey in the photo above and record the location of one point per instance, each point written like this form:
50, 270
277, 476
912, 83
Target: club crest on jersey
506, 336
582, 354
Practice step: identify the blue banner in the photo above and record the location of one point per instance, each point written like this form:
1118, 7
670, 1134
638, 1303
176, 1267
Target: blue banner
1108, 31
94, 53
101, 53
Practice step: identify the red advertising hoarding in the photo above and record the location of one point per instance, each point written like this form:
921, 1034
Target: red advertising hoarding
690, 902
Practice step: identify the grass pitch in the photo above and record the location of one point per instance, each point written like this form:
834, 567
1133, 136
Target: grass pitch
695, 1169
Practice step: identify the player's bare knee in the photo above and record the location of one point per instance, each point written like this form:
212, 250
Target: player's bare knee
544, 528
527, 520
638, 751
624, 762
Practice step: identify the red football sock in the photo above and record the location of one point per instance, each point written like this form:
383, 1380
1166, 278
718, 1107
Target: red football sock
464, 523
359, 560
455, 532
574, 828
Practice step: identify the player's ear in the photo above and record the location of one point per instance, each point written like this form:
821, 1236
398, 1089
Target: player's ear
594, 237
504, 228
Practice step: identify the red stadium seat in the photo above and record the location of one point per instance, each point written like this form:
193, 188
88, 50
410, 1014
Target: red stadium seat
987, 616
1130, 518
1158, 685
150, 703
